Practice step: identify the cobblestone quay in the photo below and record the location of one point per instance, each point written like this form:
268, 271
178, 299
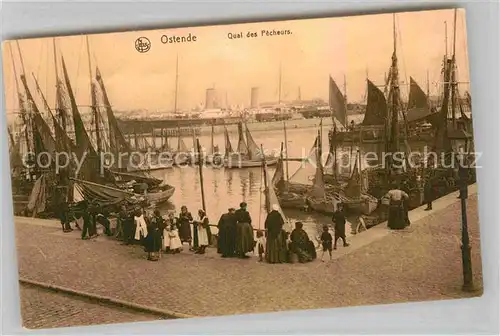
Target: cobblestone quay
420, 263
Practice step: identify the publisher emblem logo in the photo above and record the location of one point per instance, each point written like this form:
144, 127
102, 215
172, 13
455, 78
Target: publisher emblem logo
142, 44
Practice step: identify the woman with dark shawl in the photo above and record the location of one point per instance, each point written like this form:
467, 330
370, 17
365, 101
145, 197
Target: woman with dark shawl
276, 251
301, 244
244, 232
184, 223
152, 242
227, 234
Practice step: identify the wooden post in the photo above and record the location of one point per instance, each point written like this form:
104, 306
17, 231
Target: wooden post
201, 178
264, 172
286, 150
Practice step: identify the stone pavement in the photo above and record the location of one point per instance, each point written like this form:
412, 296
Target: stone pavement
46, 309
421, 263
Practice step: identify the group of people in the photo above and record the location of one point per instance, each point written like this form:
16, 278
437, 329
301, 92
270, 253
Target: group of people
157, 232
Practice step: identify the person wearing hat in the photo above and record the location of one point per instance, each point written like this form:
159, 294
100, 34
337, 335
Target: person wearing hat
244, 232
227, 234
339, 220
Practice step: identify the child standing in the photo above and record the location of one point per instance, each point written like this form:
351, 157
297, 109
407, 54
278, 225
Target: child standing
175, 243
261, 243
326, 242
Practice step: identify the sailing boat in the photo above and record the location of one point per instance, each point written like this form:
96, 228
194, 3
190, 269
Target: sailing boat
271, 198
287, 198
354, 196
248, 155
213, 155
317, 198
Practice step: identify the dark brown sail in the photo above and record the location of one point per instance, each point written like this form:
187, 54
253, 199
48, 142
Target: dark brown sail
90, 169
42, 136
337, 103
116, 138
418, 104
376, 106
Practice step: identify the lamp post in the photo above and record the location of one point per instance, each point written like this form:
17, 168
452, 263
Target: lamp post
468, 284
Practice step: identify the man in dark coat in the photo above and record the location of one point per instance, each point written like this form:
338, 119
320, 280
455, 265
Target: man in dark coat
429, 193
339, 220
227, 234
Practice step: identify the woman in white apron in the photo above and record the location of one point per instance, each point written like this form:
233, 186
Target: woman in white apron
203, 232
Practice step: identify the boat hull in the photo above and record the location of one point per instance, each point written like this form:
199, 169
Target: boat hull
364, 205
323, 206
292, 201
248, 163
161, 196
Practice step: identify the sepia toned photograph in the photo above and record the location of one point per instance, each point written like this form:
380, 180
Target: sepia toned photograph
243, 168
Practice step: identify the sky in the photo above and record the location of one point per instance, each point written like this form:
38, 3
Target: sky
354, 47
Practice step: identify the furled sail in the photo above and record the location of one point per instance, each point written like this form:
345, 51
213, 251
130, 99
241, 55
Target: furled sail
242, 145
376, 106
100, 193
253, 150
337, 103
42, 135
272, 199
353, 189
181, 146
38, 197
228, 146
279, 175
14, 152
318, 189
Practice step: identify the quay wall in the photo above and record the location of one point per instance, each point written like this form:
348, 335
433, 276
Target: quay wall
206, 129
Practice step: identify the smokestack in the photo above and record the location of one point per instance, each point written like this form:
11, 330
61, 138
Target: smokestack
254, 97
210, 99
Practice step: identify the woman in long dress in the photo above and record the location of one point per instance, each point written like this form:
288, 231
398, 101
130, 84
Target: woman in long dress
184, 222
203, 230
275, 242
397, 211
244, 233
141, 228
152, 242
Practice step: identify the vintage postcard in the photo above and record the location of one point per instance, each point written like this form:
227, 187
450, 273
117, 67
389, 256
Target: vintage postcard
243, 168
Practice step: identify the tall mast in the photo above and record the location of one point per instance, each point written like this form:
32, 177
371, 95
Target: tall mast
345, 101
59, 109
299, 96
93, 99
428, 88
286, 150
20, 98
279, 86
176, 82
445, 40
453, 72
394, 96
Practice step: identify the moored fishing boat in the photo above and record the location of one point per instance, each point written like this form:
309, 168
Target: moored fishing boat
286, 198
354, 197
248, 154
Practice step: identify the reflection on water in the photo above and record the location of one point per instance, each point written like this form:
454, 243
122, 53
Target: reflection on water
225, 188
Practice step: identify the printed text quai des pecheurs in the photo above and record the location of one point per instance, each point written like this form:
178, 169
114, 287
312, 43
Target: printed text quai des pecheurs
258, 33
